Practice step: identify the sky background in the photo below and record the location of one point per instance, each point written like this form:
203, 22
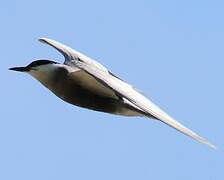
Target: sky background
171, 50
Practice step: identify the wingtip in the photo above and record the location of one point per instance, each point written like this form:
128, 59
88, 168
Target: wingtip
204, 141
43, 40
211, 145
47, 41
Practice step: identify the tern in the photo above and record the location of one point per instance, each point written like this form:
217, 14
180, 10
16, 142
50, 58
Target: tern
84, 82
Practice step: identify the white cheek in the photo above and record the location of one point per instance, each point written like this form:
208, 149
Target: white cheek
41, 72
45, 72
36, 74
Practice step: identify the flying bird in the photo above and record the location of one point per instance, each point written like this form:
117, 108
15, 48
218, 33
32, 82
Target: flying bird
85, 82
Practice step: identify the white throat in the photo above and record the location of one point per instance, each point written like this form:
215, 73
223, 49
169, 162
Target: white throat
45, 73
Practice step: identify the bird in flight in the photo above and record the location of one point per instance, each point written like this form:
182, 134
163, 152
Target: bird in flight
85, 82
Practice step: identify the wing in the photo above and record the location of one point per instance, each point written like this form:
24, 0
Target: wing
128, 92
70, 54
84, 78
121, 88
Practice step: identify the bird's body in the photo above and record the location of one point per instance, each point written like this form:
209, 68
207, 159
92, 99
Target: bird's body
79, 88
86, 83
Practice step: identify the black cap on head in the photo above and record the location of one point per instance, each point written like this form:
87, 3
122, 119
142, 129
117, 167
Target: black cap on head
33, 64
41, 62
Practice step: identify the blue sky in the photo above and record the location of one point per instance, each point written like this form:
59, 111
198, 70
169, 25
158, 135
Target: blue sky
171, 50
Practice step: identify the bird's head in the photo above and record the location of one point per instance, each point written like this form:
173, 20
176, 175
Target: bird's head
39, 69
38, 66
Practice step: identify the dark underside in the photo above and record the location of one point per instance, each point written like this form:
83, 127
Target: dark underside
75, 92
80, 96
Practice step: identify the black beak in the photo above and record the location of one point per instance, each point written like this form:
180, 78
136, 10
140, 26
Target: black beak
21, 69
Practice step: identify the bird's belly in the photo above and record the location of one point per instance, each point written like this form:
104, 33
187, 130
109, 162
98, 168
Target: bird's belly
90, 96
85, 98
102, 104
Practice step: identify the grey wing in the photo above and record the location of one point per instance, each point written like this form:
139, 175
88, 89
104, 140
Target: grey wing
120, 88
71, 54
85, 79
133, 96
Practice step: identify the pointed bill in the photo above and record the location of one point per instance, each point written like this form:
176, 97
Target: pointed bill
127, 91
